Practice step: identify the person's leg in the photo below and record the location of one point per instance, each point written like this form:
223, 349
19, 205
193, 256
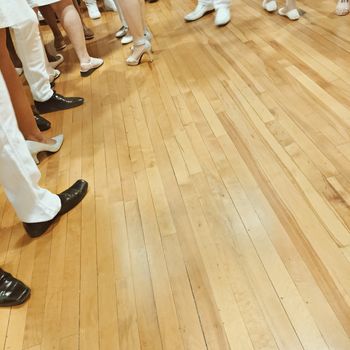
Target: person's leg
24, 114
50, 18
11, 49
203, 7
93, 10
32, 54
133, 13
18, 173
71, 23
88, 33
30, 50
36, 207
290, 10
223, 12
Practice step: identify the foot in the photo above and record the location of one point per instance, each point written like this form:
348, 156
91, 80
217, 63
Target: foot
42, 123
292, 14
223, 16
199, 12
54, 75
59, 44
142, 47
47, 145
121, 32
12, 291
58, 102
127, 39
88, 68
343, 8
69, 199
269, 5
110, 5
56, 60
88, 33
93, 11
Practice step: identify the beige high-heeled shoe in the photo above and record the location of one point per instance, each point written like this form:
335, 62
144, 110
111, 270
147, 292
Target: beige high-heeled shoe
36, 147
135, 59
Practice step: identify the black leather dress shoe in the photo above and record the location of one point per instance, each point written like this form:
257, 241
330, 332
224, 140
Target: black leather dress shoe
58, 102
12, 291
42, 123
69, 199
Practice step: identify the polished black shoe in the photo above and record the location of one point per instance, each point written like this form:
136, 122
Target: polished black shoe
42, 123
69, 199
12, 291
58, 102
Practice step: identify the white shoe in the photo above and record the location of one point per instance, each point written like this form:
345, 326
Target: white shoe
121, 32
127, 39
223, 16
19, 71
56, 63
343, 8
293, 15
110, 5
54, 75
198, 12
93, 11
269, 6
36, 147
136, 57
88, 68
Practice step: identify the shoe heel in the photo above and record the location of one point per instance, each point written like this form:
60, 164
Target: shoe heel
35, 157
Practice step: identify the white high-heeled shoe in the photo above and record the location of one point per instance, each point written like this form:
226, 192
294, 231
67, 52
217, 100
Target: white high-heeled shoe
36, 147
269, 6
133, 59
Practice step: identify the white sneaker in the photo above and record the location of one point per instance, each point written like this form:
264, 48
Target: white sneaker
269, 5
93, 11
88, 68
110, 5
223, 16
293, 15
127, 39
198, 12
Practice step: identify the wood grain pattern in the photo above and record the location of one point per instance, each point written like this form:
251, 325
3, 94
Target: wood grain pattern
218, 210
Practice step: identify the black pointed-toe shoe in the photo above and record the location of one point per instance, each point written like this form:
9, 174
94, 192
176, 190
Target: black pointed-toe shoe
12, 291
58, 102
69, 199
42, 123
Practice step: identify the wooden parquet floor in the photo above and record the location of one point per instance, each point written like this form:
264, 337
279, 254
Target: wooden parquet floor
218, 210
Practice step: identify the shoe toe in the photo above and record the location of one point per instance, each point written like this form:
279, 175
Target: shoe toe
73, 196
223, 16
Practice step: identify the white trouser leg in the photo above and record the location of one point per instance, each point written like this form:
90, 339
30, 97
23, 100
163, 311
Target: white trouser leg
18, 173
30, 50
120, 14
221, 3
91, 2
205, 2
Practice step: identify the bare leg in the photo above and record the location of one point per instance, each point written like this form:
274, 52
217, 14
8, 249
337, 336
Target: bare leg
24, 114
50, 17
88, 33
11, 49
291, 4
133, 13
71, 23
